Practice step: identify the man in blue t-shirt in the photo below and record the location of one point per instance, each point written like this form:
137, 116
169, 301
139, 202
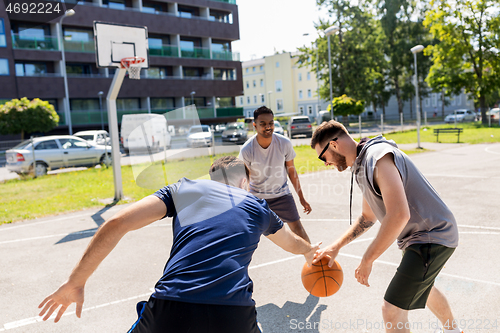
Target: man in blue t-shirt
205, 286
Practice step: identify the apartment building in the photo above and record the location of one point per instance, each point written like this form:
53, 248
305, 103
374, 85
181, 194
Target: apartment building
190, 55
280, 83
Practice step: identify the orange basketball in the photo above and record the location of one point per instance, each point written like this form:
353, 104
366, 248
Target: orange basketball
321, 280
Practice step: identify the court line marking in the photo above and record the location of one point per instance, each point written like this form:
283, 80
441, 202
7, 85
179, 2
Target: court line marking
37, 319
41, 222
459, 225
71, 233
458, 176
487, 149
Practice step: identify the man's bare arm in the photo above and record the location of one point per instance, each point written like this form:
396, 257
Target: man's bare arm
136, 216
294, 179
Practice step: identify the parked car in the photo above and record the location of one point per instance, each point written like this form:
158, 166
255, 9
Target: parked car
494, 114
235, 132
278, 129
300, 125
462, 115
146, 131
99, 137
199, 135
55, 152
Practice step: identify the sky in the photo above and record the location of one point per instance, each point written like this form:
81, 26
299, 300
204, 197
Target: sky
269, 25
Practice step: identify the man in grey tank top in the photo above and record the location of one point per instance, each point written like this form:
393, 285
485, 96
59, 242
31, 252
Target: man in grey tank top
409, 210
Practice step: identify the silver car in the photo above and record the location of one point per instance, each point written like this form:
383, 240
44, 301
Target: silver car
55, 152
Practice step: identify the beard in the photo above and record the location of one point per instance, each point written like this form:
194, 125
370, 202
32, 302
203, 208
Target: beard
339, 161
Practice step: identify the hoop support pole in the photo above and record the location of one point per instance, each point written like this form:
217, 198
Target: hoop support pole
114, 89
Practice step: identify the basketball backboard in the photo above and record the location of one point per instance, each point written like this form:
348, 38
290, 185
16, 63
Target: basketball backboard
113, 42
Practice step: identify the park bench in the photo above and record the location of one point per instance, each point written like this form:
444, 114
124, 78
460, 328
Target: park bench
456, 131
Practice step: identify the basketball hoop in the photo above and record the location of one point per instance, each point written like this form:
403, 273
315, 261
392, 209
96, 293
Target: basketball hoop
133, 66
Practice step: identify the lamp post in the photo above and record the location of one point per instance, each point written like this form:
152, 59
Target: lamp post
318, 108
69, 12
328, 32
100, 93
415, 50
269, 98
192, 103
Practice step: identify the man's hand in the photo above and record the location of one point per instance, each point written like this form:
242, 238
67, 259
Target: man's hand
330, 252
310, 255
363, 272
64, 297
305, 204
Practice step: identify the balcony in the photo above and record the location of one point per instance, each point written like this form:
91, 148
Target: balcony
164, 51
196, 52
79, 46
229, 112
46, 43
226, 55
232, 2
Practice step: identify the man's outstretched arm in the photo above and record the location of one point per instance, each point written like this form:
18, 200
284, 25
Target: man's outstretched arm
136, 216
292, 243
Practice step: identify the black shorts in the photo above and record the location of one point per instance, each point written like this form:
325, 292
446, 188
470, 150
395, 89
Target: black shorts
285, 208
421, 264
164, 316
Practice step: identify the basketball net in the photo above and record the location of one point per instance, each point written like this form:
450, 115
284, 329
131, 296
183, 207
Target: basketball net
133, 66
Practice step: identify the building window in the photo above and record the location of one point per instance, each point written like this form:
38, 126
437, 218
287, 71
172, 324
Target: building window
254, 84
3, 41
434, 99
241, 100
309, 93
248, 100
308, 76
309, 109
224, 74
277, 64
261, 68
279, 105
167, 103
279, 86
4, 67
248, 85
300, 94
246, 70
301, 110
261, 82
115, 4
255, 99
31, 69
84, 104
262, 99
300, 76
253, 69
427, 102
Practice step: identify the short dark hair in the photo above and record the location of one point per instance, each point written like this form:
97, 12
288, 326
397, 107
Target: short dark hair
326, 132
228, 170
262, 110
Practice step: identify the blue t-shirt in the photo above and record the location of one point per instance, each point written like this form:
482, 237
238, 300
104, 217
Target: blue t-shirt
216, 230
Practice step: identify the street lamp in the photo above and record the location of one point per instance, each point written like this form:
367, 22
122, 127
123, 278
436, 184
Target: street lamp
269, 98
328, 32
317, 74
100, 93
69, 12
192, 96
415, 50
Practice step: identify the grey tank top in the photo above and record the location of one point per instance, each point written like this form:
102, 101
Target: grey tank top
431, 221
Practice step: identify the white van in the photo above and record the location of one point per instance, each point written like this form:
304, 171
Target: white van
147, 131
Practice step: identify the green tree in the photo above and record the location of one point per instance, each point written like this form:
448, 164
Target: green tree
345, 106
25, 116
355, 51
466, 56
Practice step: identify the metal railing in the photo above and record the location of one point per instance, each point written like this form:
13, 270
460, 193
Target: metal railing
39, 75
46, 43
233, 2
229, 112
226, 55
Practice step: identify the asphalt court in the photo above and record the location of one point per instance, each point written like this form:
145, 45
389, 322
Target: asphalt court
37, 256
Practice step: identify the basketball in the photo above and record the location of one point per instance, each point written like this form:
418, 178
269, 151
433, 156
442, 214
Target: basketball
321, 280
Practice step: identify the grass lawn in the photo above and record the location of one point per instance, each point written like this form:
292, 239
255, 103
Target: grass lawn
72, 191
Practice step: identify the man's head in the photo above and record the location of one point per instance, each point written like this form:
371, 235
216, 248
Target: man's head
334, 145
263, 121
231, 171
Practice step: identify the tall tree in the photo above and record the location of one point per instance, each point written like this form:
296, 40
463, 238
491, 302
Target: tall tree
25, 116
356, 52
466, 56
